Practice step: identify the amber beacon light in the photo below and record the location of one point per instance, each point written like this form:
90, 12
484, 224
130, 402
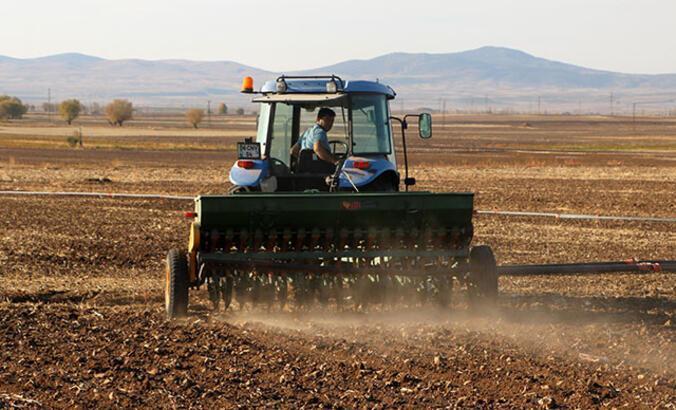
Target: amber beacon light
247, 85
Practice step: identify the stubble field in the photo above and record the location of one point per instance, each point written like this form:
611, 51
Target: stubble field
81, 302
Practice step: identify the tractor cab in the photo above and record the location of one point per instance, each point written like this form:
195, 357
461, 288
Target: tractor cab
361, 137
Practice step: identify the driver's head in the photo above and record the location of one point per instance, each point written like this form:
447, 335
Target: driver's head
325, 118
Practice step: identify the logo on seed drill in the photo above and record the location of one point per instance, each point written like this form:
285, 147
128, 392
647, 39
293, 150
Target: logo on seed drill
351, 205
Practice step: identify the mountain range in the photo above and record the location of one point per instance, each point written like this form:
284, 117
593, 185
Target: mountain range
487, 78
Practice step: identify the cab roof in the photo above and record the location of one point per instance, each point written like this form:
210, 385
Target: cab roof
318, 86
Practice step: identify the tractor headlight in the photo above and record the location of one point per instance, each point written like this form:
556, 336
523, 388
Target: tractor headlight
281, 86
331, 87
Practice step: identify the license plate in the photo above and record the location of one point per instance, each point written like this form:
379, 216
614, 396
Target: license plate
248, 150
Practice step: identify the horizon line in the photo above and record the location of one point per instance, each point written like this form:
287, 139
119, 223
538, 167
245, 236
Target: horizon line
76, 53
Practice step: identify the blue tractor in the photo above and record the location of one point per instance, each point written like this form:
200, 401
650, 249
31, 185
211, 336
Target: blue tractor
296, 227
362, 138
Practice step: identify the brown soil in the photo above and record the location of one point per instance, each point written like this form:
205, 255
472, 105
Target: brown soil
81, 303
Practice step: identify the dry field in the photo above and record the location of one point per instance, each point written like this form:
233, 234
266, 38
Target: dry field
81, 307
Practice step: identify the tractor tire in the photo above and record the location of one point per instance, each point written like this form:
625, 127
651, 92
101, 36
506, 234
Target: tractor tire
383, 183
176, 284
482, 284
236, 189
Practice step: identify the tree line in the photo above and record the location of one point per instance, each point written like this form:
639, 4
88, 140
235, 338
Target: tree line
117, 112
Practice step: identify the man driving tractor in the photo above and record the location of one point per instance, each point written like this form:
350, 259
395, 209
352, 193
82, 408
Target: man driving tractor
315, 138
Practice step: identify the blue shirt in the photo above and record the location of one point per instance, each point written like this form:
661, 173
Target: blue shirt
312, 135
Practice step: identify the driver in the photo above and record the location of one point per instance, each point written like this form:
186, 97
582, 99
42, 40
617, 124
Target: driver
315, 138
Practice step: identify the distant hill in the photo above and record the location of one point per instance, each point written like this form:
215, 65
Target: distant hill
486, 78
502, 77
495, 65
163, 82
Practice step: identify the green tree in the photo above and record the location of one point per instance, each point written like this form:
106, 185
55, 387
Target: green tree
240, 111
222, 109
70, 110
119, 111
194, 116
11, 107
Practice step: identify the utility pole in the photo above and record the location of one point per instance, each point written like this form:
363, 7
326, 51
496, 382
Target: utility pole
209, 112
443, 113
49, 104
539, 105
611, 104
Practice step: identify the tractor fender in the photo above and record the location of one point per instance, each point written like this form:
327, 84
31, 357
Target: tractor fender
193, 248
249, 177
361, 177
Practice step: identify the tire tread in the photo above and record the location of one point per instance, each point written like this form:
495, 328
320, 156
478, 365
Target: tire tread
177, 286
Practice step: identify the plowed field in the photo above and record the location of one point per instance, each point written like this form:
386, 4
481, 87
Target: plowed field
81, 302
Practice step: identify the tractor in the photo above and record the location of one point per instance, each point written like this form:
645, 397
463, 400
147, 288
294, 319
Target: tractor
296, 231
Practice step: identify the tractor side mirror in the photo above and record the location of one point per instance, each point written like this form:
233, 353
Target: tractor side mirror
425, 125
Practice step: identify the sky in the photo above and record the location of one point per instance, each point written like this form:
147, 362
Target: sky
619, 35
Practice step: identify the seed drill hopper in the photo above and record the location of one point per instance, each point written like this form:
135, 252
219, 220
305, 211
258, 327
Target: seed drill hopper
295, 231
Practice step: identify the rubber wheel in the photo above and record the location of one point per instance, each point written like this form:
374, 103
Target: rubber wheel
236, 189
176, 284
482, 286
381, 184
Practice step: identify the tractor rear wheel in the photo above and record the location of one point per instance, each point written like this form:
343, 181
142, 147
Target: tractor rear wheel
176, 284
482, 284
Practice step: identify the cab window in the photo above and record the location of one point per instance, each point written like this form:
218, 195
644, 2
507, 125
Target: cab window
370, 125
282, 128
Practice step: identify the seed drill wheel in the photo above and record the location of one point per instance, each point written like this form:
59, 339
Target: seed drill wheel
176, 284
482, 284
